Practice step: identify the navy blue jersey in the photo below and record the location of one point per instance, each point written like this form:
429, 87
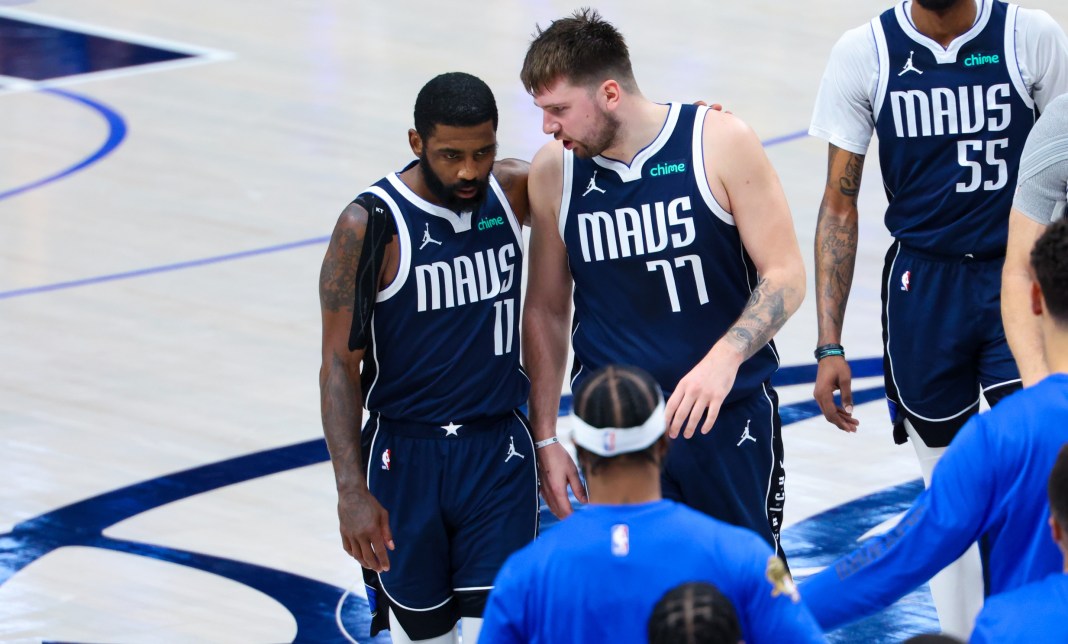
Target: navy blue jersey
596, 577
444, 341
990, 487
951, 126
659, 268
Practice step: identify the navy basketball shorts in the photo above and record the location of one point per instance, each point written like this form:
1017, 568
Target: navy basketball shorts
735, 472
943, 341
461, 499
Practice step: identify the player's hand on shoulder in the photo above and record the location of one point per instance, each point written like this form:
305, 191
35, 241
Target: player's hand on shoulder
365, 532
833, 374
556, 472
512, 175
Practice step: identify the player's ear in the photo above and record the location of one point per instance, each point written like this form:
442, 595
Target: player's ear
1037, 304
609, 94
416, 142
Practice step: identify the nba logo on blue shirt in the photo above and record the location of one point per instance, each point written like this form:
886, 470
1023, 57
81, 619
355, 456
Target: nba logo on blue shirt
620, 540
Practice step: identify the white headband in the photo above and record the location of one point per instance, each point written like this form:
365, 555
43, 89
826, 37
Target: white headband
613, 441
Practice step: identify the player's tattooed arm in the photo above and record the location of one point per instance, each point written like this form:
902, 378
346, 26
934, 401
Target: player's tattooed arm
364, 522
836, 241
763, 316
836, 255
512, 175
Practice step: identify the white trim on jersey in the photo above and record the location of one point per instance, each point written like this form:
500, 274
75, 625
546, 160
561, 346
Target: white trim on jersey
404, 241
633, 171
890, 355
581, 366
460, 222
882, 52
947, 54
568, 184
1002, 384
698, 149
512, 219
408, 608
1012, 63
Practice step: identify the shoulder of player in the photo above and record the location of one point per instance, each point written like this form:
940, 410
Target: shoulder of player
353, 218
723, 131
1036, 23
548, 159
510, 173
856, 42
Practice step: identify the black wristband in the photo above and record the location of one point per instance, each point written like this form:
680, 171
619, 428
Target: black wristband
828, 350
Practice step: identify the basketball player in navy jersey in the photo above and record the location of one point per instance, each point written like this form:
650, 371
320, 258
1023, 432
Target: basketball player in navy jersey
673, 227
990, 486
420, 288
951, 87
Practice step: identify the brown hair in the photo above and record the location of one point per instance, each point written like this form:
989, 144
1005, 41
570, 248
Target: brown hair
582, 49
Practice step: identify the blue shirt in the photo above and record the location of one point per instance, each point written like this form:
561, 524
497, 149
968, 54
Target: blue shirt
952, 125
1036, 613
445, 333
660, 270
596, 576
990, 484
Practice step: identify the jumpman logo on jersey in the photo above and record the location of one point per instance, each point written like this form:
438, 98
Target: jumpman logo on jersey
511, 450
593, 185
909, 67
746, 436
427, 239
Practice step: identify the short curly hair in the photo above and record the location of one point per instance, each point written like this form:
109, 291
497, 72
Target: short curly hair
1049, 259
694, 613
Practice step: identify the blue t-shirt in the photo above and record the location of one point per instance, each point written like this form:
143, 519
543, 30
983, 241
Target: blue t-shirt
597, 575
990, 485
1036, 613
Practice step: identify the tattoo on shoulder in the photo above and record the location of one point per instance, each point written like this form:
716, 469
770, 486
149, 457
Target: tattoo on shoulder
337, 280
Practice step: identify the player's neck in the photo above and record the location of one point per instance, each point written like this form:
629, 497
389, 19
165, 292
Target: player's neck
1055, 345
944, 26
414, 179
624, 484
641, 121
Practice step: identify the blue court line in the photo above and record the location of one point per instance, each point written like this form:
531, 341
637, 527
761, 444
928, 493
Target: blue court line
116, 134
44, 288
161, 269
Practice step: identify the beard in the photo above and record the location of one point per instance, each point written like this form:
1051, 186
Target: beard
446, 194
937, 5
602, 140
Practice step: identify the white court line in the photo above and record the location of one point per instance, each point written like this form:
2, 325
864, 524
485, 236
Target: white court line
201, 55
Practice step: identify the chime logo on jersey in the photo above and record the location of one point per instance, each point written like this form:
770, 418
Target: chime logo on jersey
621, 540
385, 460
906, 279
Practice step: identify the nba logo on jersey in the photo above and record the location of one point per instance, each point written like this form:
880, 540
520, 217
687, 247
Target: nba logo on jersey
385, 460
905, 279
609, 441
620, 540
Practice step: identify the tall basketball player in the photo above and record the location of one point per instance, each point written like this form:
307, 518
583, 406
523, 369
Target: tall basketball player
673, 227
951, 87
420, 287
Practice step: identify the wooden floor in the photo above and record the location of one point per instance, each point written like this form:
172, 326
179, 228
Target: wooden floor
162, 475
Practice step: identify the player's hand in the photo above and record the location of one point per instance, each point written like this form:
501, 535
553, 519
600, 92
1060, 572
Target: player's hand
365, 530
557, 471
833, 374
715, 106
701, 391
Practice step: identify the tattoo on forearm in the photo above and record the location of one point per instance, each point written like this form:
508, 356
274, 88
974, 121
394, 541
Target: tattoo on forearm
764, 315
340, 413
337, 280
836, 246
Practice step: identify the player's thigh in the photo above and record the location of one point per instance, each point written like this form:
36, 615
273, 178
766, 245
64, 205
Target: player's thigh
931, 336
730, 473
493, 509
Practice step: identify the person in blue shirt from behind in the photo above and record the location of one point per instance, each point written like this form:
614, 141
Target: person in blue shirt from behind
1036, 612
988, 487
596, 576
